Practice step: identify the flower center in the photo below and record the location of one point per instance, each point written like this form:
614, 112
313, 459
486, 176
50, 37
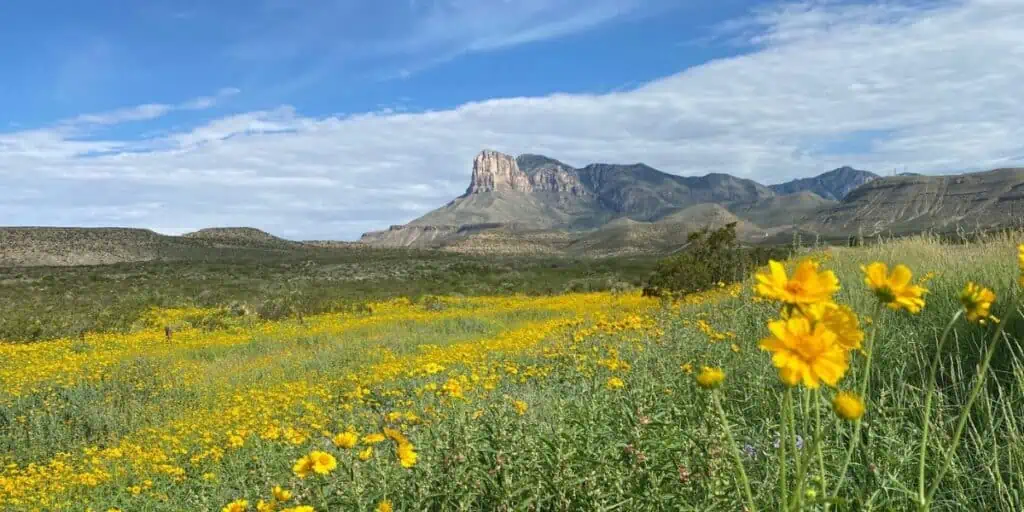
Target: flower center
885, 294
795, 287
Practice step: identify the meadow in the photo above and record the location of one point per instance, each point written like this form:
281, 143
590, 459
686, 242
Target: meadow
576, 400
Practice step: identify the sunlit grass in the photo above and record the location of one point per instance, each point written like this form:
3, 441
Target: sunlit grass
574, 402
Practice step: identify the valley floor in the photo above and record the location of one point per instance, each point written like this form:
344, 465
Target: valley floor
570, 402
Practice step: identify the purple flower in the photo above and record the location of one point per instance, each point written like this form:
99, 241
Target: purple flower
750, 451
799, 442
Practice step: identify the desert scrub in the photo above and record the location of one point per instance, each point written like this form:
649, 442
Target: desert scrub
42, 303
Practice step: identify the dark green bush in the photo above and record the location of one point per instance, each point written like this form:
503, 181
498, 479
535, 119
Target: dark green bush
708, 258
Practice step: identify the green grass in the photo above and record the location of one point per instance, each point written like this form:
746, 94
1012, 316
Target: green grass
41, 303
656, 444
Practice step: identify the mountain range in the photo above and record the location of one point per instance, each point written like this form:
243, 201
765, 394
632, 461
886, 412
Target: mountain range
534, 203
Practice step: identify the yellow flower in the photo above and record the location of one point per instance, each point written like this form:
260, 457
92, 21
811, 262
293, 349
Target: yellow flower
300, 508
317, 461
407, 454
710, 378
687, 368
281, 494
615, 383
839, 319
807, 286
384, 506
366, 454
263, 506
395, 435
977, 301
236, 506
735, 348
894, 289
453, 387
374, 438
806, 354
848, 406
1020, 263
346, 440
520, 407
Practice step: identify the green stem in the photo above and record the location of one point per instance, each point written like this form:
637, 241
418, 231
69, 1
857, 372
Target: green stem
803, 464
817, 446
797, 497
928, 407
783, 432
965, 413
735, 451
869, 349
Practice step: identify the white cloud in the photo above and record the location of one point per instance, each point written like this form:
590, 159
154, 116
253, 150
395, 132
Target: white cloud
937, 86
147, 112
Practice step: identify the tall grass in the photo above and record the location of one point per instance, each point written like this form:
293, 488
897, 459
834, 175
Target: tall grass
519, 410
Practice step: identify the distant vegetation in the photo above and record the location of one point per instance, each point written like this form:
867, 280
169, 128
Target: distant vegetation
710, 257
49, 302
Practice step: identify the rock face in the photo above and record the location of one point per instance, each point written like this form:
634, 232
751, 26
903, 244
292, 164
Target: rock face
496, 172
835, 184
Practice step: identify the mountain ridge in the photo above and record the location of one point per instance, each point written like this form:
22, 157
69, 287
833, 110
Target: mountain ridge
522, 196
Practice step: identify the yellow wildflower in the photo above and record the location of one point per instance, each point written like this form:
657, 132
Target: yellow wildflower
374, 438
366, 454
807, 286
615, 383
848, 406
384, 506
281, 494
520, 407
236, 506
395, 435
894, 289
710, 378
839, 319
346, 440
317, 461
263, 506
803, 353
300, 508
977, 301
687, 368
407, 454
1020, 263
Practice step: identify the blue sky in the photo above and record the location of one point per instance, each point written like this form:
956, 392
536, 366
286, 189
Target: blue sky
324, 119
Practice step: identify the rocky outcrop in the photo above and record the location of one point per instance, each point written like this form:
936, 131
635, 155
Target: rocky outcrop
495, 172
560, 180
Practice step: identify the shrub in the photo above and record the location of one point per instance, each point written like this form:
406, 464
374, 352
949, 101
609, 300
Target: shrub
709, 257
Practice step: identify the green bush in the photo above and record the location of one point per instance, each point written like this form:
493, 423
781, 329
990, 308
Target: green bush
708, 258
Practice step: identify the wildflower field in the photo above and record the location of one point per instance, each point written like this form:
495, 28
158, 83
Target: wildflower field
887, 377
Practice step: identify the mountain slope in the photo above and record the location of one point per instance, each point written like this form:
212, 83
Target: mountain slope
835, 184
905, 204
536, 192
783, 210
